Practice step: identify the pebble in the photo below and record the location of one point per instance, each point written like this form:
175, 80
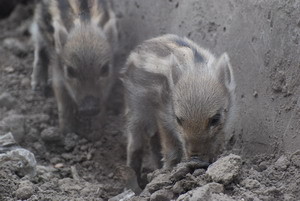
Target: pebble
7, 101
225, 169
15, 124
59, 165
25, 191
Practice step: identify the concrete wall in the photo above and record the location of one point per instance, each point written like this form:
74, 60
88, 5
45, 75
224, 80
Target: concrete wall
262, 39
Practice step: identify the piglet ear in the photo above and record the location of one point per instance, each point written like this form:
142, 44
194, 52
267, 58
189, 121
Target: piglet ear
175, 69
110, 31
225, 73
60, 36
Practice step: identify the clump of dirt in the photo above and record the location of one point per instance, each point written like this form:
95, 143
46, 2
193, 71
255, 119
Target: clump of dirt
72, 168
229, 178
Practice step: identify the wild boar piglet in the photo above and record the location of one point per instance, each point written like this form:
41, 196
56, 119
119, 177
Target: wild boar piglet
180, 98
77, 38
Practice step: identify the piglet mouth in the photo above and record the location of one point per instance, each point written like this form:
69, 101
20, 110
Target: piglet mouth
89, 106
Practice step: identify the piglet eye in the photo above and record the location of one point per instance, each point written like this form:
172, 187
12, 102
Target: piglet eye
71, 72
215, 120
104, 70
179, 120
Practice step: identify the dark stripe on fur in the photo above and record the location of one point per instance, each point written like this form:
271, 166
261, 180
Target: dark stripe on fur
84, 10
197, 56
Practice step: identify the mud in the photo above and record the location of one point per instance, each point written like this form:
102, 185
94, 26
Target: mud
73, 168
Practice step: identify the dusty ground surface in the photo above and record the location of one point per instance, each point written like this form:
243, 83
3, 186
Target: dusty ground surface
73, 168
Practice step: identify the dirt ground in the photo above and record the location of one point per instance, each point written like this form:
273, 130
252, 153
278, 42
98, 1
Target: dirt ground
73, 168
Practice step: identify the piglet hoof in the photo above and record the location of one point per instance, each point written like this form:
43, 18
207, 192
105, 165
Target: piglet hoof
197, 163
42, 89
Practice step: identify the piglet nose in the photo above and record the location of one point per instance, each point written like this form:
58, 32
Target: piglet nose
89, 106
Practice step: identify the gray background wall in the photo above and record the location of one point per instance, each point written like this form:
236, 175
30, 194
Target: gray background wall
262, 40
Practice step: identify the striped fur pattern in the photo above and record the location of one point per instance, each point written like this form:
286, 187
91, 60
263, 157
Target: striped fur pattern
80, 37
180, 97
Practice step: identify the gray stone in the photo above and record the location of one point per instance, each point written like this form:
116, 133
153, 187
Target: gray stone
184, 185
282, 163
295, 158
179, 172
45, 173
7, 100
159, 182
7, 140
51, 134
203, 193
250, 183
25, 82
70, 141
15, 124
198, 172
39, 118
124, 196
24, 162
221, 197
25, 191
69, 185
225, 169
162, 195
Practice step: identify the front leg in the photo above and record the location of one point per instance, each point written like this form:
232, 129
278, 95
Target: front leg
66, 109
172, 146
39, 76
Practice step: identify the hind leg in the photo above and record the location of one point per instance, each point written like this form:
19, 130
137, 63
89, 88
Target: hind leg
155, 147
135, 147
39, 76
40, 37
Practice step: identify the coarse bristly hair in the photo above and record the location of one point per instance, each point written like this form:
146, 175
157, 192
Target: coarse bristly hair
81, 37
181, 91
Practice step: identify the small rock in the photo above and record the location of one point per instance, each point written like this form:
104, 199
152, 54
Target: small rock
179, 172
55, 160
250, 183
225, 169
110, 175
67, 156
255, 94
7, 140
51, 134
45, 173
203, 193
25, 190
184, 186
25, 82
198, 172
24, 162
7, 100
39, 118
262, 166
40, 148
158, 183
68, 185
282, 163
222, 197
126, 195
15, 124
9, 69
59, 165
162, 195
70, 141
295, 158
